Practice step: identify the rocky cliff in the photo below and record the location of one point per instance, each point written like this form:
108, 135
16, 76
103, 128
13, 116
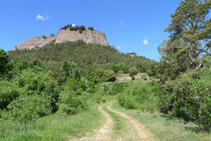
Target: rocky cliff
64, 35
35, 42
88, 36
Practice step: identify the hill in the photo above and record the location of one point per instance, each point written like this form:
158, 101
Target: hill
98, 56
71, 33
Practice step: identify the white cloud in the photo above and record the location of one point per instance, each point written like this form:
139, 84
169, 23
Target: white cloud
121, 24
145, 41
42, 18
118, 47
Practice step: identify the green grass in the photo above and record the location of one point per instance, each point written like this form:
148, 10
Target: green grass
165, 128
53, 127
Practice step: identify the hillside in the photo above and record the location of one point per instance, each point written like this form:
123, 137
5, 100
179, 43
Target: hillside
81, 53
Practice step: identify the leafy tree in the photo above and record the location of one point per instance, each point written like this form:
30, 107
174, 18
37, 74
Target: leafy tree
190, 37
29, 108
4, 60
132, 72
99, 72
8, 92
91, 28
109, 75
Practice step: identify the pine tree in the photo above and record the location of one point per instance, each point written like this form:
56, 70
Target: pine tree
190, 37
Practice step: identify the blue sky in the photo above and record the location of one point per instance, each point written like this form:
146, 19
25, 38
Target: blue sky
130, 25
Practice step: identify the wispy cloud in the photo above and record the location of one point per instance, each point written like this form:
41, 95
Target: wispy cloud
121, 24
118, 47
42, 18
145, 41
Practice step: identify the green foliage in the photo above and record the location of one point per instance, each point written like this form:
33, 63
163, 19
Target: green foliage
120, 67
140, 95
82, 54
71, 70
182, 69
109, 75
8, 92
116, 88
71, 103
4, 60
72, 100
189, 40
133, 71
29, 108
91, 28
192, 97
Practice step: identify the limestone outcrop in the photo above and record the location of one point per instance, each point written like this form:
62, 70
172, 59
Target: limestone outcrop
88, 36
35, 42
65, 35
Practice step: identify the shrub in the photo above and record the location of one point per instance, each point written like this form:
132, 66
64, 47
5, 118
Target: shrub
91, 28
127, 101
4, 60
140, 95
29, 108
116, 88
192, 99
133, 71
71, 103
8, 92
109, 75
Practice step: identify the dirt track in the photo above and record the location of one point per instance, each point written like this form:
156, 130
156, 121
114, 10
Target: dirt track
135, 132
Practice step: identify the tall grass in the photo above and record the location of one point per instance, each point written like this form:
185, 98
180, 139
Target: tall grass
53, 127
165, 127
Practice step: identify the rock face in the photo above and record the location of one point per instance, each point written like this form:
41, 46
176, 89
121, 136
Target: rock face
123, 77
88, 36
126, 77
35, 42
65, 35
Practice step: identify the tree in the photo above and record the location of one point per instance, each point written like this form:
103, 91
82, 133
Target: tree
109, 75
29, 108
91, 28
4, 60
189, 39
133, 71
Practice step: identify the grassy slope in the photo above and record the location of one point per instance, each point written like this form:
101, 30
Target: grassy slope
165, 128
55, 127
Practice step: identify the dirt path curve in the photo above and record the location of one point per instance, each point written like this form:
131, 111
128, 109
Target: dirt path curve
104, 133
141, 133
136, 132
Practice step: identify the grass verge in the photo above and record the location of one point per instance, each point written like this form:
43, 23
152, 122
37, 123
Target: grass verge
164, 128
54, 127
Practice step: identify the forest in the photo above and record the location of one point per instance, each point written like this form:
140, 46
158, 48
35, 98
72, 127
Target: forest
63, 81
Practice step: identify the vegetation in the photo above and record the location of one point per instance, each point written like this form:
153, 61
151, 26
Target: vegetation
183, 56
67, 81
4, 59
80, 28
166, 127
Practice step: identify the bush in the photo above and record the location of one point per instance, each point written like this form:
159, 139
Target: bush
8, 92
140, 95
192, 99
4, 60
133, 71
109, 75
71, 103
116, 88
29, 108
127, 101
